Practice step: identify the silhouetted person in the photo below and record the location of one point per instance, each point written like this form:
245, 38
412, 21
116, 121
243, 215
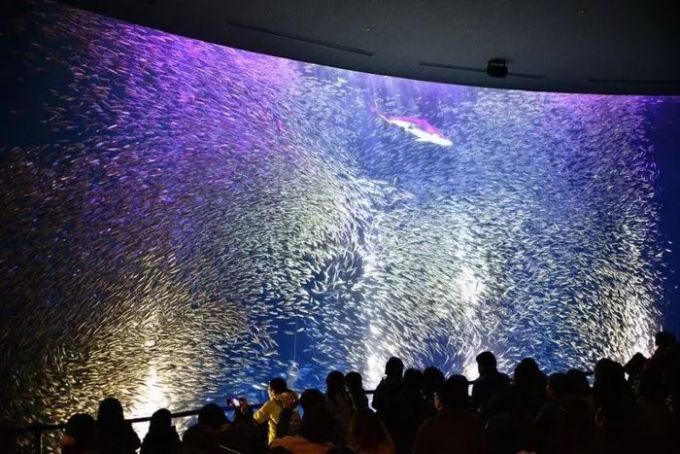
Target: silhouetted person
355, 388
665, 365
615, 407
528, 388
489, 381
162, 436
455, 428
338, 400
665, 340
415, 409
311, 400
545, 425
655, 424
114, 434
610, 384
204, 437
634, 368
214, 433
577, 384
367, 434
432, 378
504, 421
565, 424
79, 435
316, 431
665, 357
386, 399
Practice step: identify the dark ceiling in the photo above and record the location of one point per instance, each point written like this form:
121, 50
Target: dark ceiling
558, 45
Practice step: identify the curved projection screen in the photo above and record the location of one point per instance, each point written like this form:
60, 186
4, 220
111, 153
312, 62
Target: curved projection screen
182, 221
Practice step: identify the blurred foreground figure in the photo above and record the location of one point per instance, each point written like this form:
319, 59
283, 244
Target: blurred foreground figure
162, 436
204, 437
355, 388
338, 401
454, 429
317, 428
565, 424
79, 435
367, 435
114, 434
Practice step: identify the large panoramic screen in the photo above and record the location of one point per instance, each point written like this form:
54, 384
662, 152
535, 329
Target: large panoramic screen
182, 221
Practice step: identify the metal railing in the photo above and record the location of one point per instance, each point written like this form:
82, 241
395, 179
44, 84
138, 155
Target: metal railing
39, 429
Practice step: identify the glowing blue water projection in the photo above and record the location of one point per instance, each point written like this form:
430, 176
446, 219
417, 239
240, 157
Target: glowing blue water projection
183, 220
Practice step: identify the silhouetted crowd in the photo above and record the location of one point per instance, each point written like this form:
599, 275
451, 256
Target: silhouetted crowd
631, 408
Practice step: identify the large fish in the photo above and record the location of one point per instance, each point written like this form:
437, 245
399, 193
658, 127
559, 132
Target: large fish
420, 128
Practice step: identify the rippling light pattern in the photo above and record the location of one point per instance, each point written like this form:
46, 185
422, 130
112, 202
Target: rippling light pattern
187, 220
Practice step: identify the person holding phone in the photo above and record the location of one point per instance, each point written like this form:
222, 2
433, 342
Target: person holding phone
280, 398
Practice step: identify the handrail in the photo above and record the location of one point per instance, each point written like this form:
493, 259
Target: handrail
58, 426
179, 414
38, 429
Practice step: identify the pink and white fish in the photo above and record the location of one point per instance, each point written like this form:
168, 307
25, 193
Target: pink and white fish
420, 128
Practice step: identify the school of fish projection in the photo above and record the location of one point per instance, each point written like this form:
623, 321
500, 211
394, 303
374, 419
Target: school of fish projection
189, 220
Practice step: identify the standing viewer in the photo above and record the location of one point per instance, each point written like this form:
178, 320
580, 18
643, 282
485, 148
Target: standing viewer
489, 382
387, 396
114, 434
454, 429
270, 412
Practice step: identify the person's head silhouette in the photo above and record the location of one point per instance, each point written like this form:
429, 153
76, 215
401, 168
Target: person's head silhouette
277, 385
79, 433
353, 381
394, 368
110, 413
527, 375
558, 385
432, 377
335, 383
413, 379
161, 420
577, 383
452, 394
664, 339
312, 398
212, 417
486, 362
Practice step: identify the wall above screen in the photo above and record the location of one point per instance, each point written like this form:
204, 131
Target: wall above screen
626, 47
